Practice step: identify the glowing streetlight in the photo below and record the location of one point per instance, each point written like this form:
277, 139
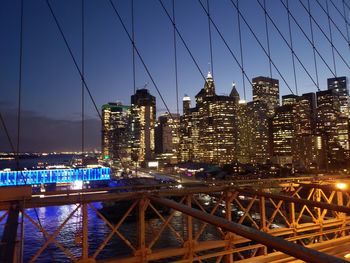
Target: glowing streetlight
341, 186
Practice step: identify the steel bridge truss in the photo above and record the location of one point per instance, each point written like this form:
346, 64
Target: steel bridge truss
217, 224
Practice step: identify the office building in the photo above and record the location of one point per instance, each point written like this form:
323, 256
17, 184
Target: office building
116, 139
267, 90
143, 112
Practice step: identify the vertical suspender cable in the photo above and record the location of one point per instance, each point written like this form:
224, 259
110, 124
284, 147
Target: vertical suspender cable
331, 20
175, 60
19, 87
313, 41
346, 23
323, 33
331, 37
82, 78
210, 41
7, 133
292, 50
133, 46
241, 48
267, 39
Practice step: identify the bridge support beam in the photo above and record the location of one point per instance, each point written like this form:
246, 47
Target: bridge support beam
289, 248
8, 241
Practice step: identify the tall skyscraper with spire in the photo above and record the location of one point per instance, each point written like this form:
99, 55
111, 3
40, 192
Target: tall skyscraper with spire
210, 126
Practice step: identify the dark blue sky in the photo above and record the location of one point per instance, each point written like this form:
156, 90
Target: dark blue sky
51, 85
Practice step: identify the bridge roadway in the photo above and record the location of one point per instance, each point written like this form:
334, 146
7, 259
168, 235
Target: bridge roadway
321, 225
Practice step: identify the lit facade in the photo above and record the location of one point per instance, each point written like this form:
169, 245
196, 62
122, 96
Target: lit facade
143, 111
283, 134
305, 155
327, 128
267, 90
208, 132
167, 134
340, 89
259, 131
116, 139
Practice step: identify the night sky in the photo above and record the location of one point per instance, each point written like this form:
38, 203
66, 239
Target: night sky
51, 89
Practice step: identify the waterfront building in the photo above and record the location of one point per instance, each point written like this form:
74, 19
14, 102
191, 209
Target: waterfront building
305, 154
327, 128
244, 133
283, 133
267, 90
167, 135
340, 89
259, 131
208, 132
116, 140
143, 112
188, 132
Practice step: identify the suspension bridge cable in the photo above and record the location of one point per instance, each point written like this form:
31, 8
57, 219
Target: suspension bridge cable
175, 60
261, 45
325, 35
77, 67
83, 74
210, 41
182, 40
7, 133
73, 58
241, 50
307, 37
287, 43
313, 43
346, 23
343, 15
346, 4
225, 42
330, 35
346, 38
292, 53
140, 57
19, 86
133, 48
326, 11
267, 39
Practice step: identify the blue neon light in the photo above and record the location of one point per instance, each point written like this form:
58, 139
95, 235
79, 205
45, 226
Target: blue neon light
32, 177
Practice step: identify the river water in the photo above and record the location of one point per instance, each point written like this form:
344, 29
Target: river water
50, 218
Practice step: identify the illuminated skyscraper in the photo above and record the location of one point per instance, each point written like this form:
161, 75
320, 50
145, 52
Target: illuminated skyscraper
283, 134
305, 155
167, 137
208, 132
244, 133
259, 140
144, 119
340, 89
328, 116
267, 90
116, 121
188, 132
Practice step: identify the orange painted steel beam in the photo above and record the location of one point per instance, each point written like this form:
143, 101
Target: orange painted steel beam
297, 251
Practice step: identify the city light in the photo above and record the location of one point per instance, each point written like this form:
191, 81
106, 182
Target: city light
341, 186
35, 177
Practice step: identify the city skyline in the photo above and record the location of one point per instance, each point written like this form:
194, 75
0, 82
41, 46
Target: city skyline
51, 81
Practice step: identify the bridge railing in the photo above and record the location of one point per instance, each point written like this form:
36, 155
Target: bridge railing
146, 230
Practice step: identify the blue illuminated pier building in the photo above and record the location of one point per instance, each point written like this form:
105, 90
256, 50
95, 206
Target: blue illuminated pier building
34, 177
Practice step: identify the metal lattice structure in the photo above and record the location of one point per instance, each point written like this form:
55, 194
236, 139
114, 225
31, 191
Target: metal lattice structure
218, 223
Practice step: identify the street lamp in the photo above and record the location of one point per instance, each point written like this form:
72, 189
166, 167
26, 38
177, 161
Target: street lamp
341, 186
